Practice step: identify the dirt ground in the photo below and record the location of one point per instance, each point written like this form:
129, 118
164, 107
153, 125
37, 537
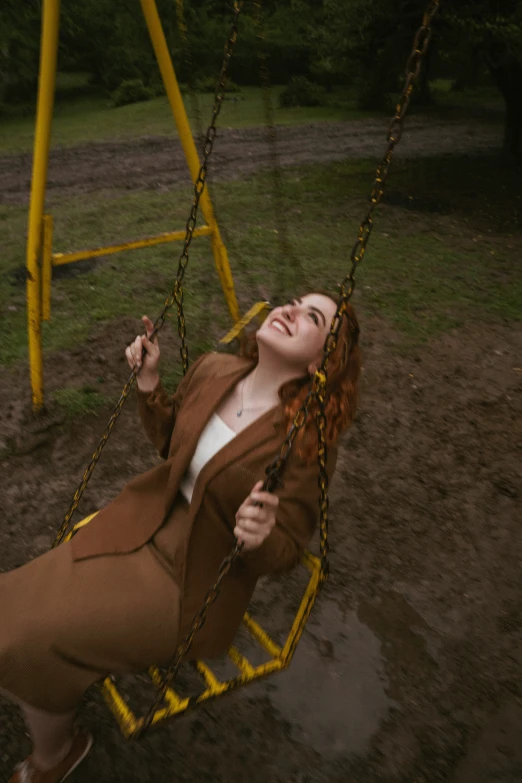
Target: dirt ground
410, 668
157, 162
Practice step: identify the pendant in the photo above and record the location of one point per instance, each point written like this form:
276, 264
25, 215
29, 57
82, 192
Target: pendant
239, 413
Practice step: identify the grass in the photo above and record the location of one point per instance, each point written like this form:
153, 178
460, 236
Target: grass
432, 264
85, 115
444, 251
79, 402
484, 96
90, 117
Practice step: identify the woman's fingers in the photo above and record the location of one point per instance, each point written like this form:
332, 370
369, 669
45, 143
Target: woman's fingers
249, 540
265, 498
252, 526
251, 512
149, 326
130, 357
134, 352
256, 517
137, 350
152, 348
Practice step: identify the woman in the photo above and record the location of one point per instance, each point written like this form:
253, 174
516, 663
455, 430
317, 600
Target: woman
119, 596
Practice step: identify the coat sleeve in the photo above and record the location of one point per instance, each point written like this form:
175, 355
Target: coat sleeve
297, 517
158, 409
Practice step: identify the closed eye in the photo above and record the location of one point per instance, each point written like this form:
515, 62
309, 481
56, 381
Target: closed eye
311, 313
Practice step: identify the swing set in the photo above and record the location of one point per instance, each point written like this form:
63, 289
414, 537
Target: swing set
40, 260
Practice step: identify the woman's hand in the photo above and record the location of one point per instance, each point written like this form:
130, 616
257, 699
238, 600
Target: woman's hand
256, 518
147, 364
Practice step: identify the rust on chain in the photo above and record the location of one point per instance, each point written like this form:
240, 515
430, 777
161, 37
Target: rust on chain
176, 296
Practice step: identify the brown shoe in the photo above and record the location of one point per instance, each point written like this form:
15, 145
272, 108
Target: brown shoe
26, 772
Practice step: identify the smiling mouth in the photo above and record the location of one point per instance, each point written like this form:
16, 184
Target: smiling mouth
282, 326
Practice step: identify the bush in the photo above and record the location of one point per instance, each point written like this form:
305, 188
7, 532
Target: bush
209, 83
131, 91
300, 91
373, 96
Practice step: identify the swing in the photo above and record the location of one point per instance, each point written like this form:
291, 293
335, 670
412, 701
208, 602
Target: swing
167, 702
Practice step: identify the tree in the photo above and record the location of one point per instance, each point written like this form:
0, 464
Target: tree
492, 29
368, 40
19, 48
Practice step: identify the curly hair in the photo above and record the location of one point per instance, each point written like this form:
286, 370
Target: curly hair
344, 366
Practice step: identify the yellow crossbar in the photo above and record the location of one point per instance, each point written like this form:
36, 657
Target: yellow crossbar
168, 236
260, 308
262, 637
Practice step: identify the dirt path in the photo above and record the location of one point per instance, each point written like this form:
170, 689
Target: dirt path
410, 669
157, 162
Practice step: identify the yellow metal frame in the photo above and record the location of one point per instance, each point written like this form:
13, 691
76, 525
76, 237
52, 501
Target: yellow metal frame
40, 256
212, 687
260, 310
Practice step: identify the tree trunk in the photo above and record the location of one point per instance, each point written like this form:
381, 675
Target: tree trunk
508, 78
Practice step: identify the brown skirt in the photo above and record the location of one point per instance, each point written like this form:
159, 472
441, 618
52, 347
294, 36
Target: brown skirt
65, 624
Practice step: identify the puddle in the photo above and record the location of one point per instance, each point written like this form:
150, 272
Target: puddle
333, 694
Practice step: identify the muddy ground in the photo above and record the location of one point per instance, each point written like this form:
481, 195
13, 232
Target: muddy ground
157, 162
410, 668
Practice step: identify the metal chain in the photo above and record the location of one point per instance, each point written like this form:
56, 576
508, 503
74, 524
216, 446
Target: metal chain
184, 647
196, 111
317, 389
277, 182
322, 459
177, 293
189, 64
413, 66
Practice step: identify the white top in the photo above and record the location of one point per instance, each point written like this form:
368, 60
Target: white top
215, 435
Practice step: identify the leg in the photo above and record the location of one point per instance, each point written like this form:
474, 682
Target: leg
52, 735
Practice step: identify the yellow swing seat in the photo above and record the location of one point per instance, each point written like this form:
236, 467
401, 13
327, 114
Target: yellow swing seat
212, 685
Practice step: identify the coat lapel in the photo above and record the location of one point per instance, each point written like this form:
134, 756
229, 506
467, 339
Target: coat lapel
210, 395
202, 404
251, 437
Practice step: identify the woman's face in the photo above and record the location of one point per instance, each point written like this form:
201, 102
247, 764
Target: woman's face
297, 331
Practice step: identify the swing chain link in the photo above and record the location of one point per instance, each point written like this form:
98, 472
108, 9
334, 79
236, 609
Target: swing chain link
317, 390
283, 241
177, 294
184, 647
189, 65
322, 459
413, 66
176, 297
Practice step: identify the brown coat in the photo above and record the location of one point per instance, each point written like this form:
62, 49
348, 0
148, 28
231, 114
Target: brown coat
174, 425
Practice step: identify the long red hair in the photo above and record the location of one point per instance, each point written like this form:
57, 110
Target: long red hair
344, 367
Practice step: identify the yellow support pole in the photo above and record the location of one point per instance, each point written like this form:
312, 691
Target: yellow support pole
44, 112
170, 81
58, 259
47, 266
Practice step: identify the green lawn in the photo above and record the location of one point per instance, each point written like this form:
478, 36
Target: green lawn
82, 114
90, 117
445, 250
424, 270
